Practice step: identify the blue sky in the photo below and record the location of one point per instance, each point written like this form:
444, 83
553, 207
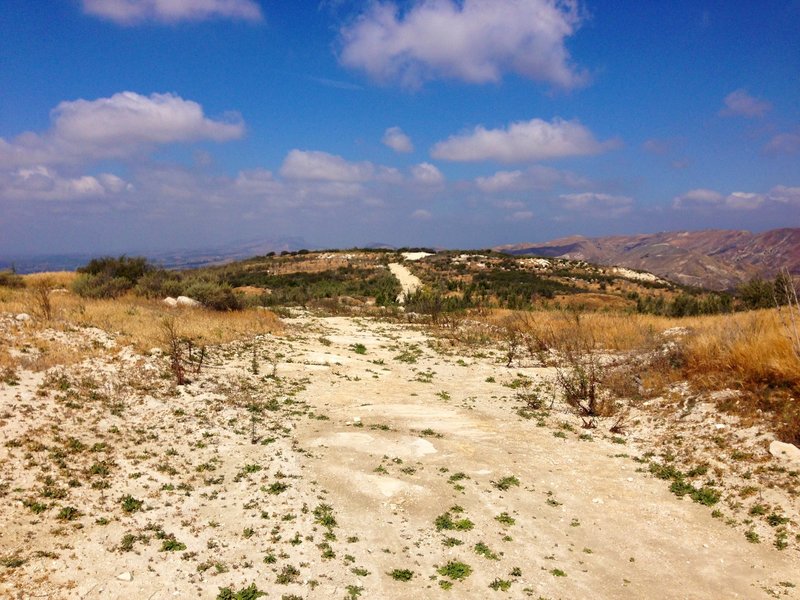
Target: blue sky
147, 125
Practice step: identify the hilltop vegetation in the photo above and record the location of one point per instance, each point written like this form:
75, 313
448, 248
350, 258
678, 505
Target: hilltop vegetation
453, 281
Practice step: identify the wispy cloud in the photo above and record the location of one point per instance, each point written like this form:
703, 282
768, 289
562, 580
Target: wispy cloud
42, 183
133, 12
474, 41
597, 204
537, 177
336, 84
783, 143
523, 141
703, 199
314, 165
740, 103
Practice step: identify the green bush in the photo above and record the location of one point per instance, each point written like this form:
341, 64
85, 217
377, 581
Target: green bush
109, 277
218, 296
160, 283
130, 268
100, 286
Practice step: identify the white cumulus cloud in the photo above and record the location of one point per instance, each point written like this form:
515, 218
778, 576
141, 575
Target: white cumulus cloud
523, 141
474, 41
398, 141
739, 103
115, 127
132, 12
427, 174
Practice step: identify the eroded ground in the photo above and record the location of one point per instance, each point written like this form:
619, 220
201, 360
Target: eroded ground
347, 458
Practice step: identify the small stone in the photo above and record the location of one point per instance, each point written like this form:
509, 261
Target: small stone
126, 576
597, 501
23, 317
356, 420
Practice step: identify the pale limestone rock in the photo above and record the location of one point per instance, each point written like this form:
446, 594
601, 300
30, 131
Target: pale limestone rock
788, 453
186, 301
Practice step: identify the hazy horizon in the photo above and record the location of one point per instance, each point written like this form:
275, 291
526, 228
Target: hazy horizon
143, 126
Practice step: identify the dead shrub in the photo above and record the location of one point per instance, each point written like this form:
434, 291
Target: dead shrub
43, 306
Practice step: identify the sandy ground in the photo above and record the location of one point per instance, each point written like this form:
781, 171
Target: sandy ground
353, 452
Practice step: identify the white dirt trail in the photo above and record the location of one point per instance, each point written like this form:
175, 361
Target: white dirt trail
409, 282
367, 434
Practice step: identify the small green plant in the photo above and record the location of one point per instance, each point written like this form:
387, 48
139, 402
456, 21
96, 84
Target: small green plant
170, 544
359, 348
289, 574
401, 574
353, 592
455, 570
130, 504
445, 522
505, 519
558, 573
449, 542
484, 550
68, 513
251, 592
277, 488
752, 537
506, 483
502, 585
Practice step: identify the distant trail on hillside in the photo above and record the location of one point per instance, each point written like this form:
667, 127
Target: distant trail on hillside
409, 282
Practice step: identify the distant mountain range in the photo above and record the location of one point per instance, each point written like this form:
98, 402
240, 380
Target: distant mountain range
715, 259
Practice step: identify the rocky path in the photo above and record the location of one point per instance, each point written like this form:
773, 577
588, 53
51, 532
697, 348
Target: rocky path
372, 463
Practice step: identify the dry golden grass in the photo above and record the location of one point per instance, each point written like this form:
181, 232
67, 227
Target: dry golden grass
620, 332
138, 321
751, 352
748, 348
55, 279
